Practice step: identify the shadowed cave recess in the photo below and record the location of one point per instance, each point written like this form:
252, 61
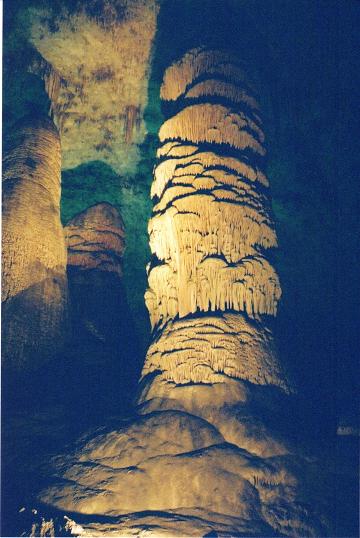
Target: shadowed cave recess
179, 292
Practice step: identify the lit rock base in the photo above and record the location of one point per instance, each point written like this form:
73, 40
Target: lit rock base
171, 473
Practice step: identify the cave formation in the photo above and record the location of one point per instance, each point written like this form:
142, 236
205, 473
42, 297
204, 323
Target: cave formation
206, 447
211, 373
95, 241
34, 285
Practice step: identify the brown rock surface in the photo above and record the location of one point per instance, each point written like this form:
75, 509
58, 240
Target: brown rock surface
34, 285
95, 239
206, 349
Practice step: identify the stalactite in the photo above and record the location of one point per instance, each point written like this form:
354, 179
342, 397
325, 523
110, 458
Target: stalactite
132, 122
34, 290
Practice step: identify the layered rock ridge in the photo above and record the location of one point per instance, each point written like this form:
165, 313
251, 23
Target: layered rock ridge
34, 283
96, 239
205, 455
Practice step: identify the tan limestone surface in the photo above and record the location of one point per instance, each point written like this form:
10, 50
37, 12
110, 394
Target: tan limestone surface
34, 286
95, 239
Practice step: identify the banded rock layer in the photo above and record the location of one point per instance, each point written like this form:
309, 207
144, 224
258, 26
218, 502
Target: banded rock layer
34, 287
96, 239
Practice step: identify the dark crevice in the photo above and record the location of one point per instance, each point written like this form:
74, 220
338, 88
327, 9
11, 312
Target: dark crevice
200, 192
96, 231
255, 185
262, 205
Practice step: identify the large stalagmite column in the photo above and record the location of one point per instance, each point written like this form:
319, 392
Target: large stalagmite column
34, 288
210, 453
211, 284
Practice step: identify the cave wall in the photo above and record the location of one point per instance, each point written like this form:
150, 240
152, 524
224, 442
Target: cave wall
212, 397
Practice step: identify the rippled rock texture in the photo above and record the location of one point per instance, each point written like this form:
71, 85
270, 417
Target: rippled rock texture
34, 284
96, 239
211, 450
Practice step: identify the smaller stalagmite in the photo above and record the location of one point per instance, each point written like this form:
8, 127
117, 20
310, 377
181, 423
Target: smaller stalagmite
103, 344
34, 287
96, 241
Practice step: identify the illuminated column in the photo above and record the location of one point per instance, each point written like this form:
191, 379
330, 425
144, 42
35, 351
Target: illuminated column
210, 282
34, 287
209, 452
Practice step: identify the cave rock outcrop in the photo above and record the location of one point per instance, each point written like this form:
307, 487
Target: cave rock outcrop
34, 283
95, 63
96, 239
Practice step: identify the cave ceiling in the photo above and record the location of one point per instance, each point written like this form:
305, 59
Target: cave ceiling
96, 69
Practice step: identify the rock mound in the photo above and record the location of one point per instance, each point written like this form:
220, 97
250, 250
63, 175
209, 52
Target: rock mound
96, 239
